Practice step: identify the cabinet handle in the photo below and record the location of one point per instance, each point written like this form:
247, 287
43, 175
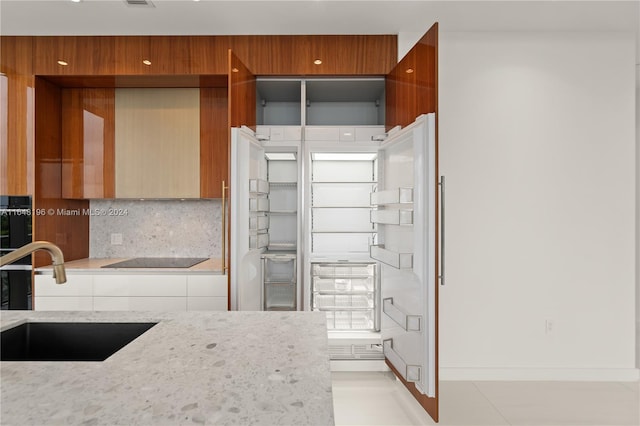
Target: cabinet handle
224, 227
441, 184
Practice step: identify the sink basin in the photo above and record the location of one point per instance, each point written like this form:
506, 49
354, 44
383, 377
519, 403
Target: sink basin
68, 341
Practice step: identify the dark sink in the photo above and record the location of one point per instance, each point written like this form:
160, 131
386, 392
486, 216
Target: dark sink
68, 341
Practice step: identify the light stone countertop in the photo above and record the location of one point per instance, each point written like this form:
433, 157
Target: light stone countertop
95, 265
227, 368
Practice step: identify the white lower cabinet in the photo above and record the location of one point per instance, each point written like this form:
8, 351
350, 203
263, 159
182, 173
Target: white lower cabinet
139, 303
132, 292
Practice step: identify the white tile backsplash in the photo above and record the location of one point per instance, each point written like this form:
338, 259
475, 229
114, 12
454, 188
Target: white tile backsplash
156, 228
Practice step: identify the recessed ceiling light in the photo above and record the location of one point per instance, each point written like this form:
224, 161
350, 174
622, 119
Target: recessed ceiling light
344, 156
318, 61
76, 1
234, 69
146, 62
409, 70
61, 62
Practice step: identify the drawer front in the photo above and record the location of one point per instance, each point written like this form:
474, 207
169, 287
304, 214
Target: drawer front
65, 303
343, 301
207, 285
343, 284
206, 303
140, 285
140, 303
76, 285
338, 270
365, 134
350, 320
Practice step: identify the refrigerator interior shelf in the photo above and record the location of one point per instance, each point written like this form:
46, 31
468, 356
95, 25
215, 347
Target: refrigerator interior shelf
337, 182
282, 245
258, 186
280, 280
283, 184
392, 217
391, 258
408, 322
392, 196
411, 373
366, 231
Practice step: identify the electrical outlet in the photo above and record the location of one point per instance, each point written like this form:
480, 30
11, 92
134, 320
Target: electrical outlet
116, 239
549, 325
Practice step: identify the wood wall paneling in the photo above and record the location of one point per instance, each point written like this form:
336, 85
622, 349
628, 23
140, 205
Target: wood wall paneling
17, 114
59, 221
214, 141
130, 51
85, 55
88, 127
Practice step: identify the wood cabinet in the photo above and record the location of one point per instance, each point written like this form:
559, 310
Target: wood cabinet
17, 108
88, 138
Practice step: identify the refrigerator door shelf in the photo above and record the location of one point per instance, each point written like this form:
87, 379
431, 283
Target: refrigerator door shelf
411, 373
392, 217
407, 322
258, 186
392, 196
392, 258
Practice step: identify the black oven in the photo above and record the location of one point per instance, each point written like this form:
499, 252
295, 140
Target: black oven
15, 232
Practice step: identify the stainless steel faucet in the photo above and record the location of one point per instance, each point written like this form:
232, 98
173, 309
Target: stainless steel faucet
57, 258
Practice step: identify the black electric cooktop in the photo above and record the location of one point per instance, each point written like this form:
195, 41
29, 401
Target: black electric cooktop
157, 262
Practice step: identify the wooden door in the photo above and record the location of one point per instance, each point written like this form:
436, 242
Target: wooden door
412, 90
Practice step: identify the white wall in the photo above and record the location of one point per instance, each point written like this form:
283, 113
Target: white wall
537, 139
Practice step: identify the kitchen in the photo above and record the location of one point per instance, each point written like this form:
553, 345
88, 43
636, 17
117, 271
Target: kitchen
42, 132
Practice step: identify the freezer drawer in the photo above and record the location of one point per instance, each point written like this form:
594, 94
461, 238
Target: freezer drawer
350, 320
279, 282
348, 293
279, 297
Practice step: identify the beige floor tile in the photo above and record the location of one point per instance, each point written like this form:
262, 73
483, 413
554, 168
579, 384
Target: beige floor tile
461, 403
563, 403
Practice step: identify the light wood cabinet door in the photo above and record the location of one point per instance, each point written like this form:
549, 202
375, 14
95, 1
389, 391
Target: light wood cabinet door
157, 143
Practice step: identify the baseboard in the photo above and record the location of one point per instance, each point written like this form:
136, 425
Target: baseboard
546, 374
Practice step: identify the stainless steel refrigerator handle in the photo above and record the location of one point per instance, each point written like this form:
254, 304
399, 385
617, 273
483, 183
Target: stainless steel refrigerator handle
441, 184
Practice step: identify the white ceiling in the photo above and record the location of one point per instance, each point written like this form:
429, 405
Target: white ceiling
94, 17
409, 19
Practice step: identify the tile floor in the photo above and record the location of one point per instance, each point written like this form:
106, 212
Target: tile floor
366, 398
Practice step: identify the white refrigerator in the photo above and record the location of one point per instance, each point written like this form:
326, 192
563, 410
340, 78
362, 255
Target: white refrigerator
398, 232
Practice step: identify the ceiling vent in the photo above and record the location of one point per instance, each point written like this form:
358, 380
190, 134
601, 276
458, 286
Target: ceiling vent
139, 3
